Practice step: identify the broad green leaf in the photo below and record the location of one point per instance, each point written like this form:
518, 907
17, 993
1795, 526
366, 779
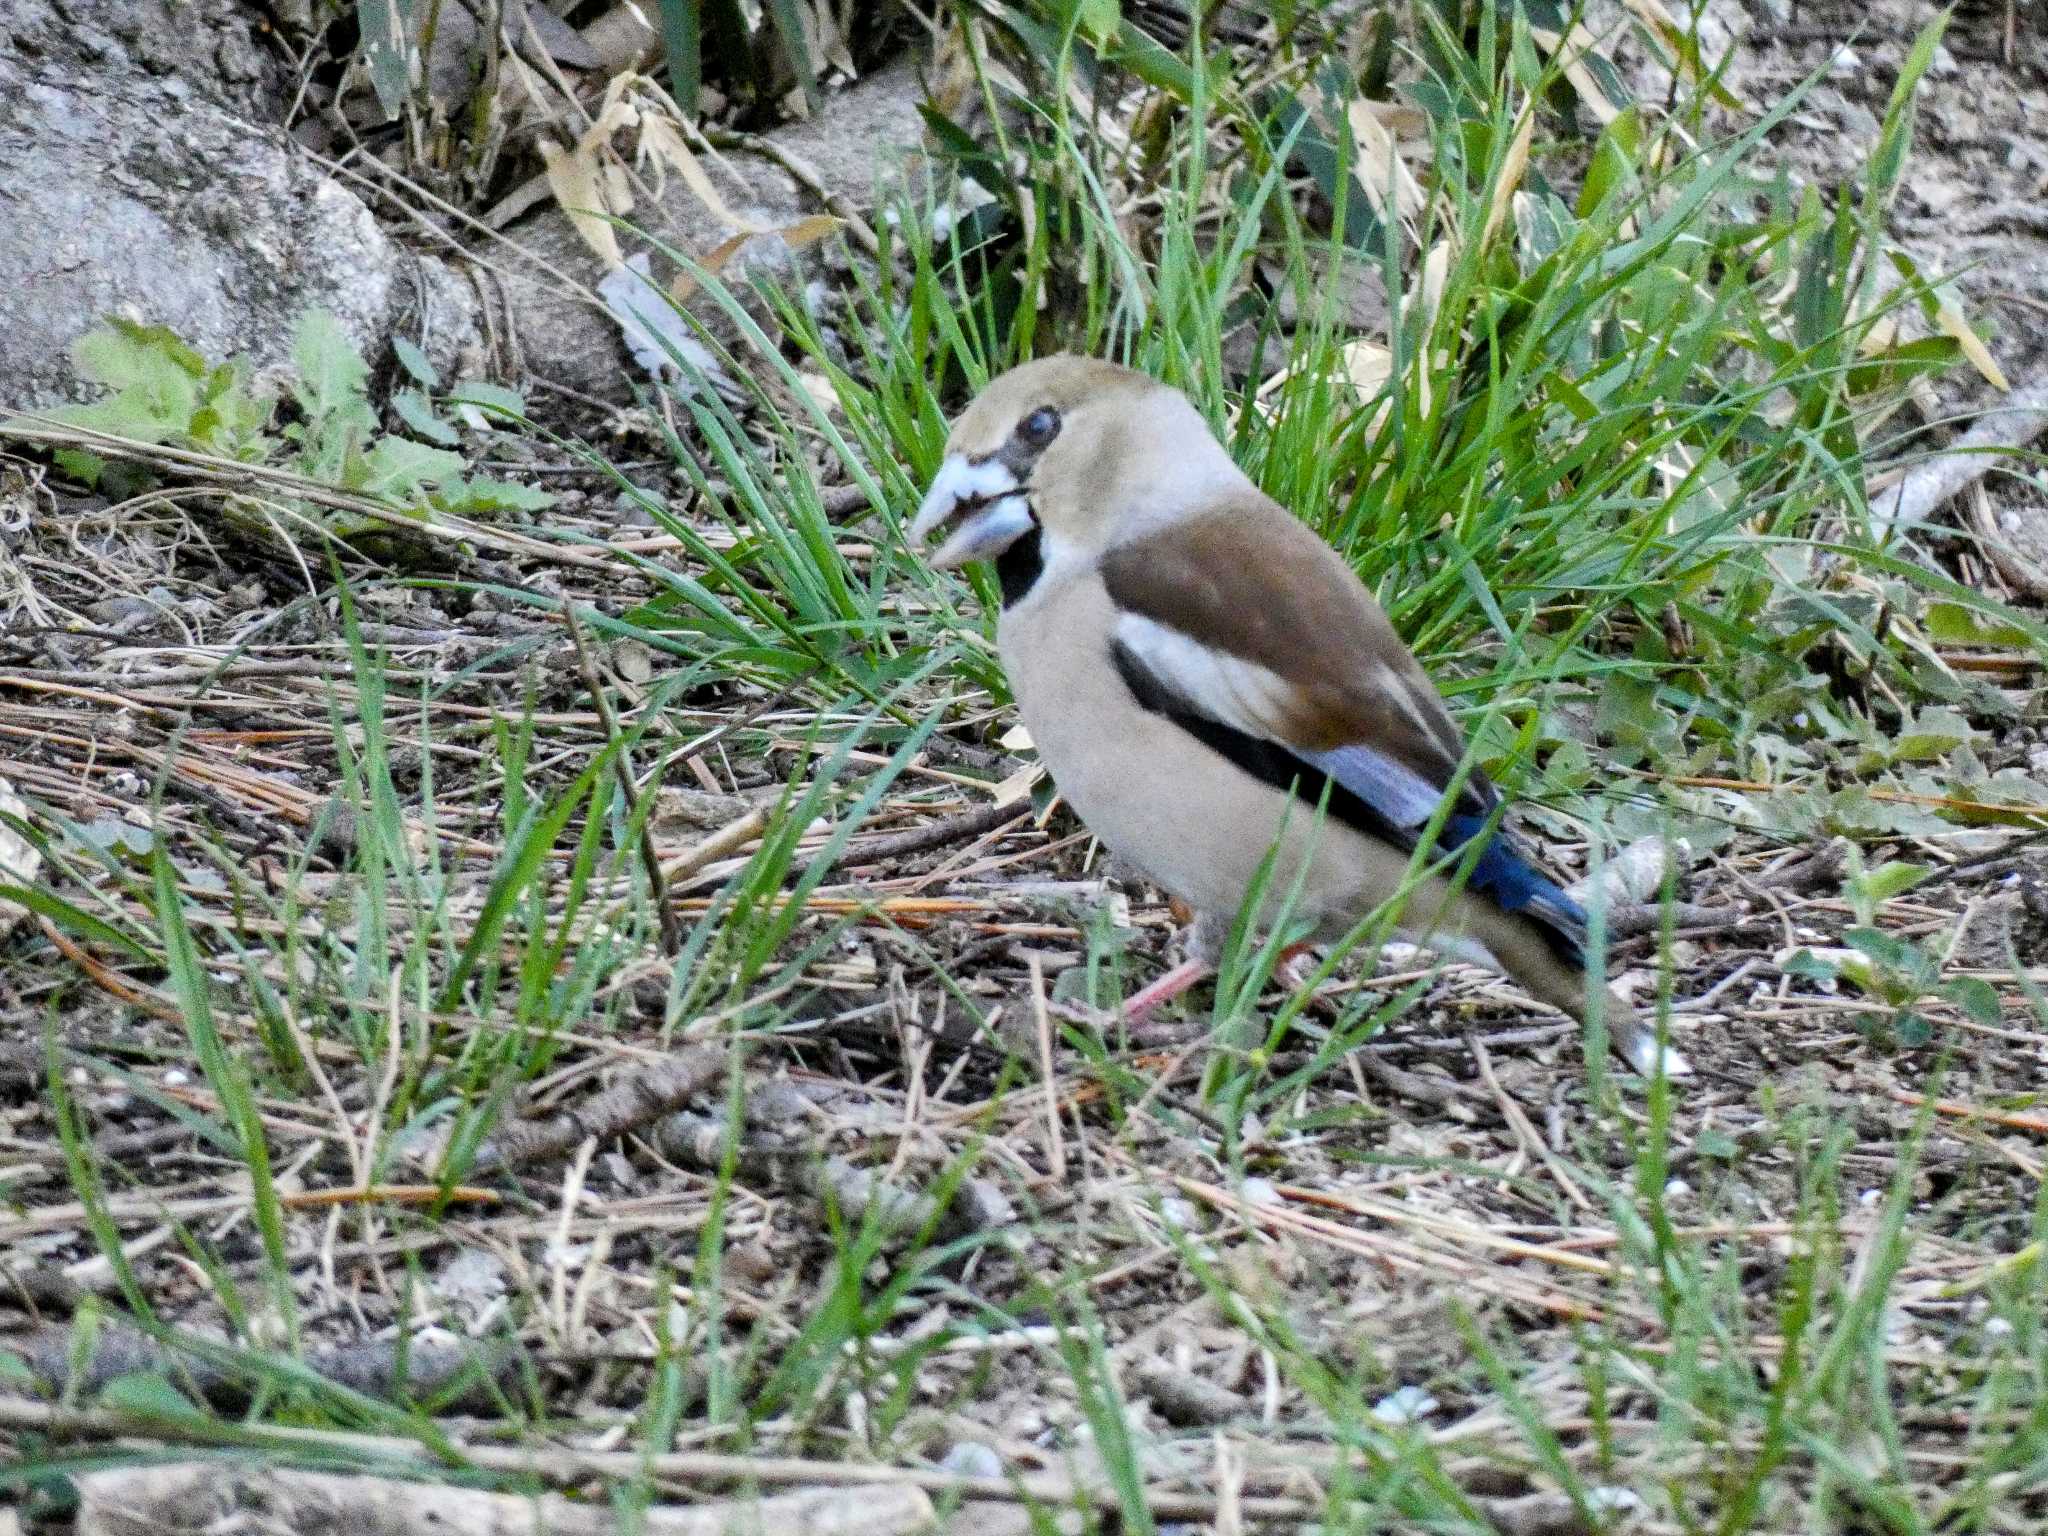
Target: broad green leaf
1098, 20
1912, 1028
492, 398
1955, 624
330, 368
1893, 878
1976, 997
397, 466
1717, 1144
482, 494
417, 412
149, 1395
416, 363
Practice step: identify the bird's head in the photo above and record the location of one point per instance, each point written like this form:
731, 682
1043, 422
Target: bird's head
1067, 444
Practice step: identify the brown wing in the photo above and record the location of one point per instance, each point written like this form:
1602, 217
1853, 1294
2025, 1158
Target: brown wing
1250, 584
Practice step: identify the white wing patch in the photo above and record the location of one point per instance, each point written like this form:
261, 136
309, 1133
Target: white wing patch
1239, 693
1253, 699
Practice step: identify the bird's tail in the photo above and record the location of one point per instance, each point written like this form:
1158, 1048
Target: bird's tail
1540, 945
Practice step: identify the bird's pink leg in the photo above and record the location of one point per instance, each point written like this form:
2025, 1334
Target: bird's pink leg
1140, 1004
1297, 962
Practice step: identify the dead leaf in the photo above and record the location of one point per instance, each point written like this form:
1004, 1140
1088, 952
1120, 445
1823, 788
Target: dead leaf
1397, 117
1512, 166
661, 141
578, 185
1956, 324
1436, 269
820, 389
711, 263
1571, 50
1018, 786
1684, 45
809, 231
1368, 365
1388, 183
803, 232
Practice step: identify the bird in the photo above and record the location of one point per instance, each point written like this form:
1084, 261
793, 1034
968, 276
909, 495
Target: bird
1208, 681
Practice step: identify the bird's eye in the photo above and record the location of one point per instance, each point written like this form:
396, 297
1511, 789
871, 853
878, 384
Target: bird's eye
1040, 427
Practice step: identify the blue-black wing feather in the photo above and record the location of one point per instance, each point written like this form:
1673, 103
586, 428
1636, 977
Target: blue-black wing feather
1376, 794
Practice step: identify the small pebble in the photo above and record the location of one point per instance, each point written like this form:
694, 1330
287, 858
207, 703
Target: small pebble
1405, 1405
970, 1458
1178, 1213
1609, 1500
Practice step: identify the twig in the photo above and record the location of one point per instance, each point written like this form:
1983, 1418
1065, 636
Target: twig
1436, 1092
1185, 1399
727, 839
2022, 575
2006, 428
207, 1496
1485, 1276
445, 527
1634, 919
795, 1166
937, 834
379, 1368
1055, 1143
1824, 866
40, 1288
635, 1101
563, 1466
1536, 1514
1525, 1132
806, 175
622, 770
843, 501
1467, 1235
2009, 1118
2008, 815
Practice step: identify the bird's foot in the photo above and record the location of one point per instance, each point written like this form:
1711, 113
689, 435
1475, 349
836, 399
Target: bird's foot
1296, 972
1297, 965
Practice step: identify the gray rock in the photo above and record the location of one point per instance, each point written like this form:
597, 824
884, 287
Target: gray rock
565, 335
855, 149
139, 173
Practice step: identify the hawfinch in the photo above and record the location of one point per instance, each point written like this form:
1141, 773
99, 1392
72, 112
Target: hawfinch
1187, 656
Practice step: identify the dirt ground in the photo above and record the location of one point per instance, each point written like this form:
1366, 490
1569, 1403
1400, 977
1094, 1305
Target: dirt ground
1466, 1117
1974, 203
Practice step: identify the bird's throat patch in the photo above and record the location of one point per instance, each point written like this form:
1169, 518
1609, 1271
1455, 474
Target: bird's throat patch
1019, 567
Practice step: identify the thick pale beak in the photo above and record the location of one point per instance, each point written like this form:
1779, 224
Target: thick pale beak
997, 513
